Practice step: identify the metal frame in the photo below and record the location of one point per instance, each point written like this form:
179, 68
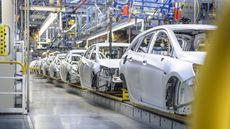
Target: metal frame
23, 108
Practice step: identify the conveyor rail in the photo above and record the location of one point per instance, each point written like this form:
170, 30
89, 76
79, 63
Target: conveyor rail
155, 118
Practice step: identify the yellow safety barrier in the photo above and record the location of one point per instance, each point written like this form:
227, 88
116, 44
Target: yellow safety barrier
23, 67
212, 105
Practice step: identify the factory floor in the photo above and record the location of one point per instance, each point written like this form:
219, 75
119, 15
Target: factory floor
52, 107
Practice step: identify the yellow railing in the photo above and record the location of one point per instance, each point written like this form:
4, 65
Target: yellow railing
23, 67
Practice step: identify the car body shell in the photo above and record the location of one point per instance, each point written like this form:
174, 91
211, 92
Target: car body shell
147, 75
88, 67
54, 68
45, 65
33, 66
69, 68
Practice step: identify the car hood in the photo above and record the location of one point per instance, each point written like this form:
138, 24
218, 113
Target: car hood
110, 63
194, 57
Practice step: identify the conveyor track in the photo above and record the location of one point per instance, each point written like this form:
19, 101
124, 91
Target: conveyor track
170, 120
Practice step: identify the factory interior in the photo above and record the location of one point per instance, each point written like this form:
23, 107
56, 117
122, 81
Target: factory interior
114, 64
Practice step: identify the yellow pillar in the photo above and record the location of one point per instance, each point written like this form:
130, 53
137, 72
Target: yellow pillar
212, 106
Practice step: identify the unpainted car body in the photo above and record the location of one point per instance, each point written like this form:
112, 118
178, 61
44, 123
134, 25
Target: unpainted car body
69, 66
54, 68
98, 69
32, 66
160, 65
45, 65
38, 67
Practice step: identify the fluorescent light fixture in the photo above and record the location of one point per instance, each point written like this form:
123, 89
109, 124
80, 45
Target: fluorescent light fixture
49, 20
117, 27
78, 42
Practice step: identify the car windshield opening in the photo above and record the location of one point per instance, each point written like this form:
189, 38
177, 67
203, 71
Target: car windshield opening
76, 58
117, 52
192, 40
79, 53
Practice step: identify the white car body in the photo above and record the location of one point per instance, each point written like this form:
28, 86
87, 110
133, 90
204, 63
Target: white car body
159, 66
32, 66
54, 68
39, 66
69, 66
45, 65
99, 72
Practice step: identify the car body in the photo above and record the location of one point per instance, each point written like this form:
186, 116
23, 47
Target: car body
160, 65
45, 65
98, 70
54, 68
69, 66
38, 67
32, 66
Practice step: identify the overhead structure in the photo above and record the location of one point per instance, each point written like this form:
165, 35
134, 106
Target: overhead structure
49, 20
116, 28
142, 9
44, 8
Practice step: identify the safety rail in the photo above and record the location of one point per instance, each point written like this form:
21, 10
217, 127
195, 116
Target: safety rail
20, 92
23, 67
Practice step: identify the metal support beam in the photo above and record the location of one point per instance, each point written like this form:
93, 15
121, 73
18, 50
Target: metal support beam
37, 17
49, 20
43, 8
27, 45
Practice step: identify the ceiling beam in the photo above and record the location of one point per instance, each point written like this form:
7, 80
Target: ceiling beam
49, 20
43, 8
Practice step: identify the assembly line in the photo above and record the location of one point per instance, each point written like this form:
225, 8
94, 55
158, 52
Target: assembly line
114, 64
158, 68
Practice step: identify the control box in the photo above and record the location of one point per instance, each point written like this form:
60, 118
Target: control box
4, 47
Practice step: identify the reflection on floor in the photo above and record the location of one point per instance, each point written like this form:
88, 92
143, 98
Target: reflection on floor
14, 122
54, 108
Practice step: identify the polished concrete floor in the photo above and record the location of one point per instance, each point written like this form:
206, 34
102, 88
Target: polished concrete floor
14, 122
52, 107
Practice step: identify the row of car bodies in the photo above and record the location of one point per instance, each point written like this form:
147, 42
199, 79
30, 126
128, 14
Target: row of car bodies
158, 68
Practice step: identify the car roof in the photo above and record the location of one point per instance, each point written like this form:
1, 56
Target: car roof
174, 27
77, 51
62, 54
182, 27
189, 27
76, 55
113, 44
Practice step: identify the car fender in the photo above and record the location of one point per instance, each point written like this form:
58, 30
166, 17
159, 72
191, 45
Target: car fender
183, 70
